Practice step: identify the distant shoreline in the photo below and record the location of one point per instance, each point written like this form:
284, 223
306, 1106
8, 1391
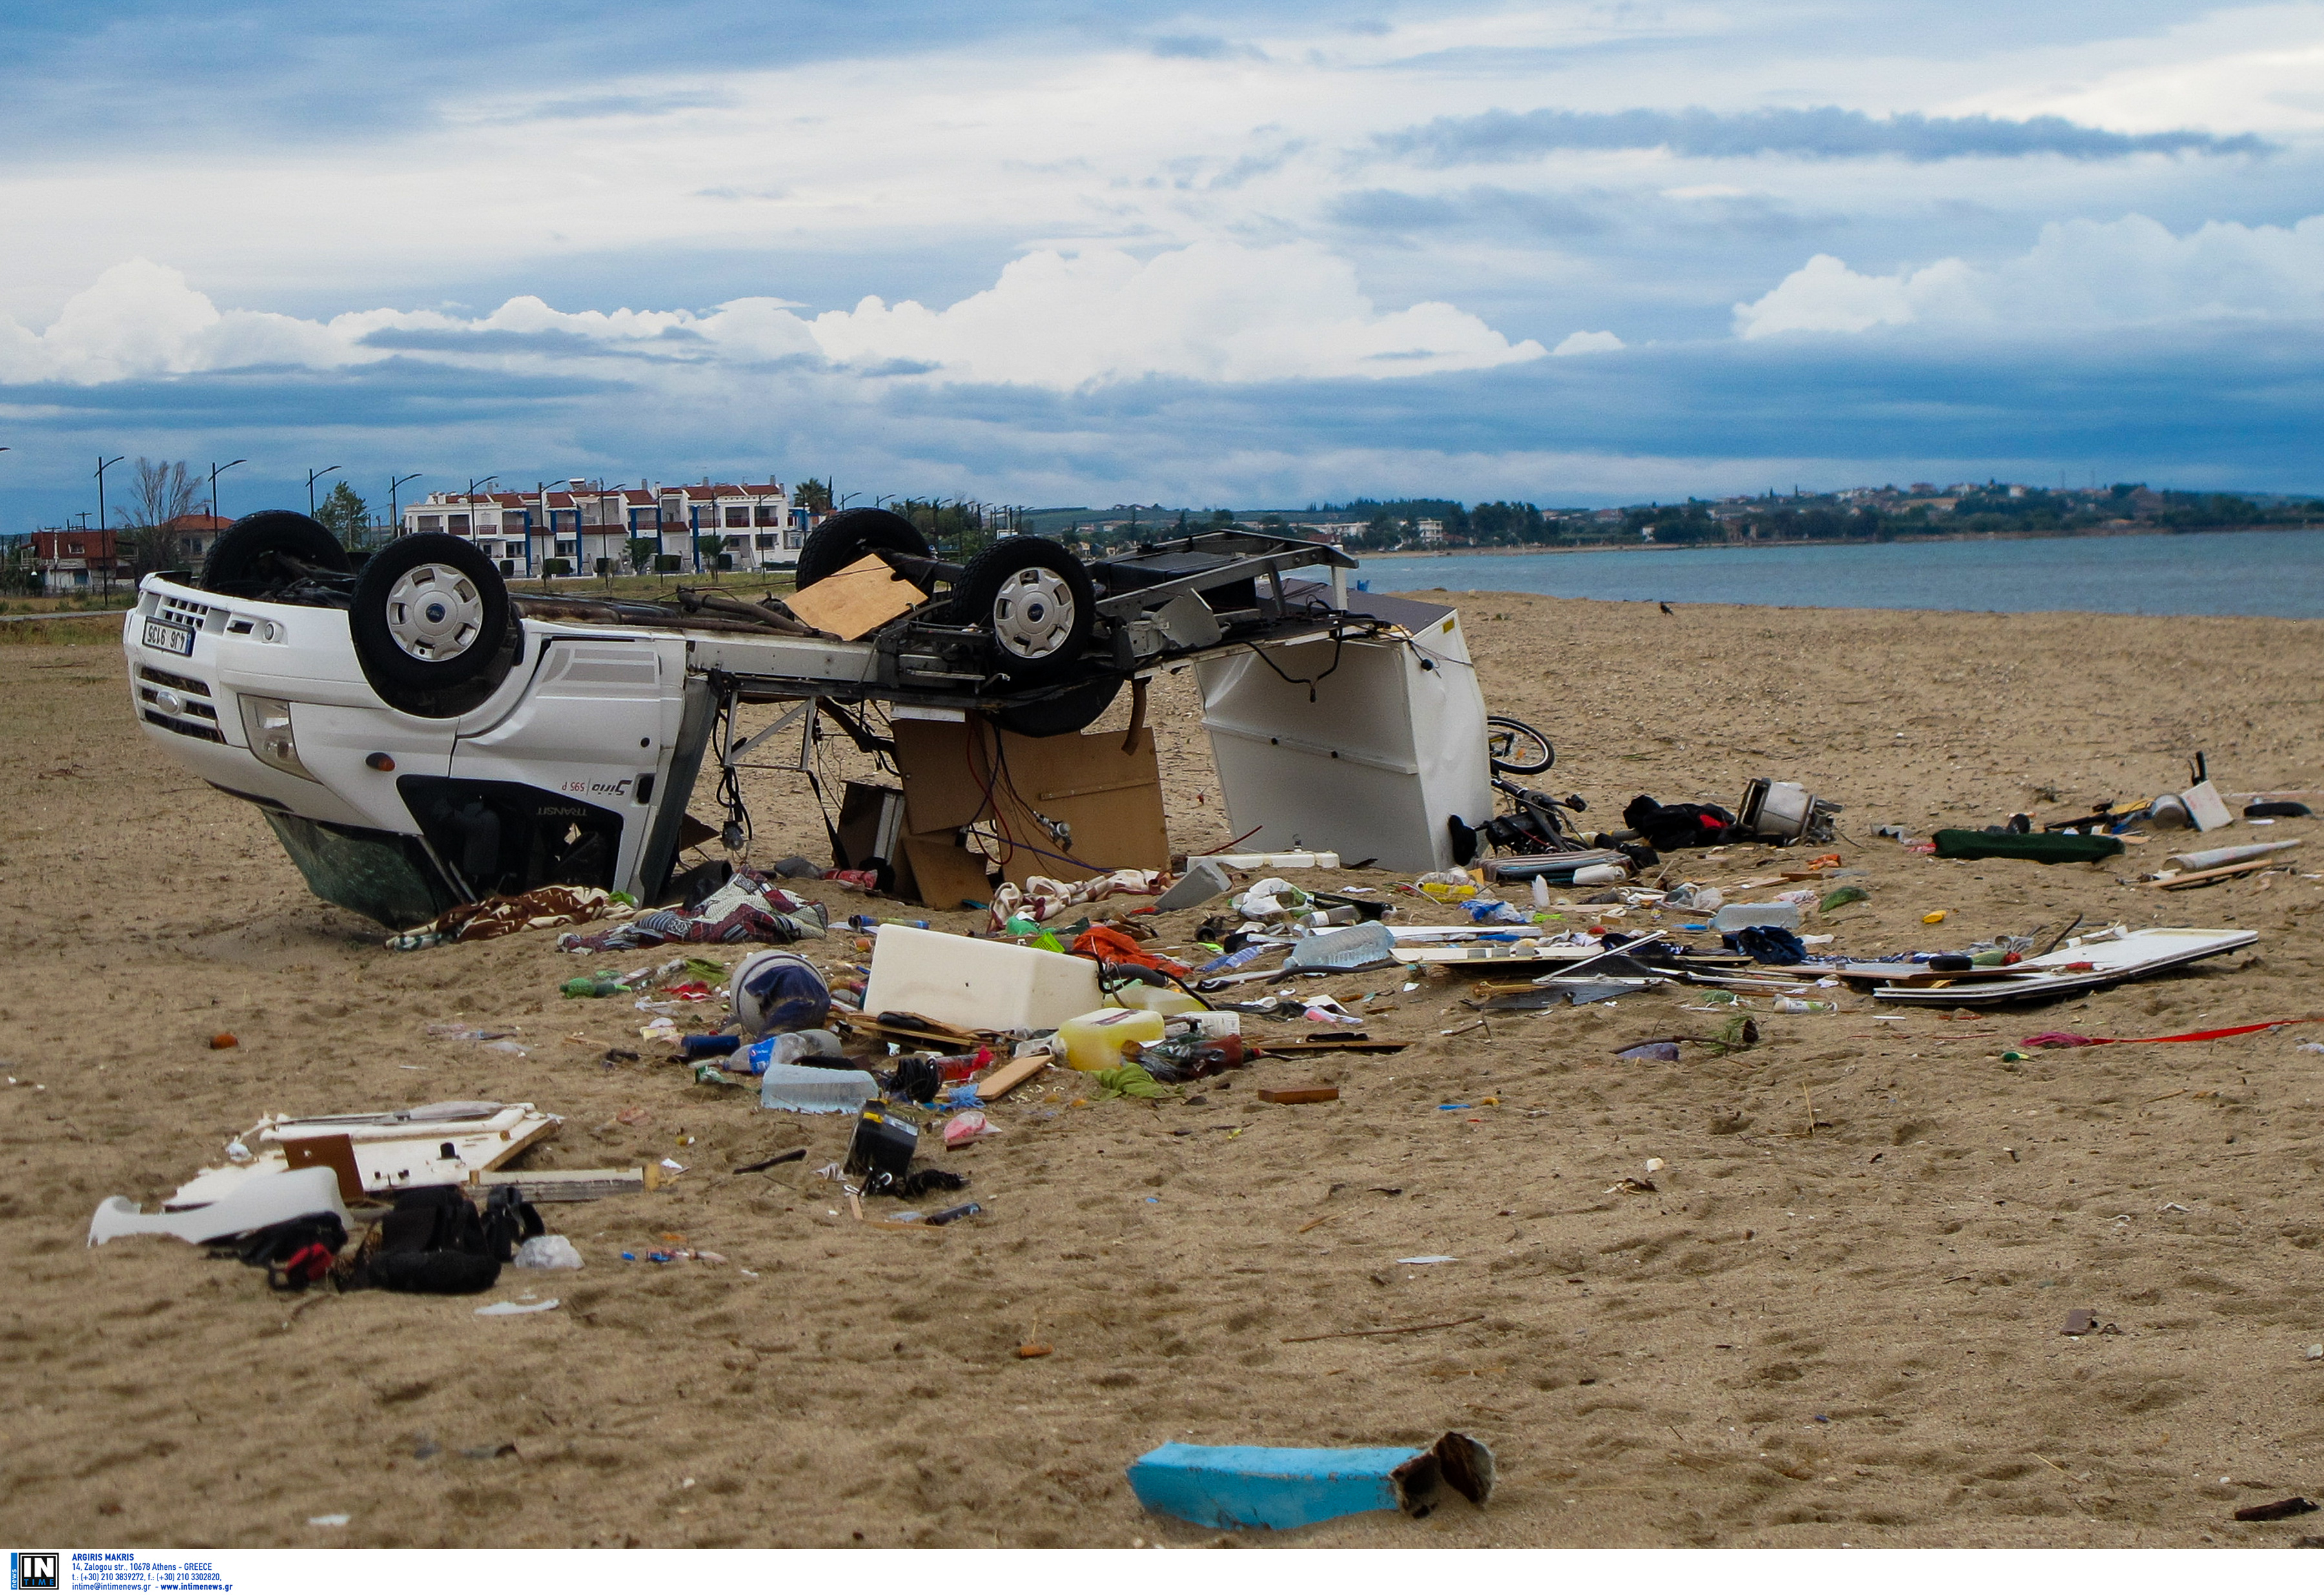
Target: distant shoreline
1477, 551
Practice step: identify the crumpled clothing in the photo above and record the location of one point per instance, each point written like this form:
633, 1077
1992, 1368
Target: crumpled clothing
1109, 946
1767, 944
537, 910
750, 908
1043, 899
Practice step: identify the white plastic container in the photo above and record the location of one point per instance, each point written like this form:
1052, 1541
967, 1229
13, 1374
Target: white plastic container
976, 985
794, 1088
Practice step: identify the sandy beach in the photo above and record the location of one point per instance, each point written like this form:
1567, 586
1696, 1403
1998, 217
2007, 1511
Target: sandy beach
1835, 1320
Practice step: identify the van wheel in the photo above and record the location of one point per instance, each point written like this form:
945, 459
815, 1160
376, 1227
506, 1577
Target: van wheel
432, 625
844, 539
1062, 715
1036, 602
248, 557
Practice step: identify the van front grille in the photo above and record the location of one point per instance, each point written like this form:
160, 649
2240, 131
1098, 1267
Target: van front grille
163, 678
208, 734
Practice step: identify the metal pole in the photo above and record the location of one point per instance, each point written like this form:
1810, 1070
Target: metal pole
313, 477
394, 508
104, 465
475, 483
216, 471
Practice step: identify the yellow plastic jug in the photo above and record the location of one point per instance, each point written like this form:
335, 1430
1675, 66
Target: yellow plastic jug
1094, 1041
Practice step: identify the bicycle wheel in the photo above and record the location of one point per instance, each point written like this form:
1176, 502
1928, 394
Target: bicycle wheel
1517, 748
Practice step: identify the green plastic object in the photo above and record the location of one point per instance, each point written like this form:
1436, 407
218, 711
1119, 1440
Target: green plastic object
1845, 895
2041, 846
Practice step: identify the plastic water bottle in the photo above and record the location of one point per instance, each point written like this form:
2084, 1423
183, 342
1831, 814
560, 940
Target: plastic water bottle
790, 1047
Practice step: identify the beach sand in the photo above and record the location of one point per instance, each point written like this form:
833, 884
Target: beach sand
1835, 1320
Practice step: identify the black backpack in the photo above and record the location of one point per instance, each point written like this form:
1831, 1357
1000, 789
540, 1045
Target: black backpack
436, 1243
1669, 826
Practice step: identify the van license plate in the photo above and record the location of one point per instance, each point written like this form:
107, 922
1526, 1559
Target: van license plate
173, 639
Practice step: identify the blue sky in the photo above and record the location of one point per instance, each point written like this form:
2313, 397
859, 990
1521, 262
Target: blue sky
1048, 252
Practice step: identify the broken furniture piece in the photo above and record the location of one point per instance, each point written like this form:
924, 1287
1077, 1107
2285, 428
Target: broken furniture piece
271, 1196
377, 1154
2081, 964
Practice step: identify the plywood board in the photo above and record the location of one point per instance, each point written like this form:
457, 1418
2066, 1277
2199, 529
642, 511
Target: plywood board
937, 872
863, 597
1007, 1077
1107, 789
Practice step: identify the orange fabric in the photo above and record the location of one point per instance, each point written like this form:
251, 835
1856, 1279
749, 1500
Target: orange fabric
1109, 946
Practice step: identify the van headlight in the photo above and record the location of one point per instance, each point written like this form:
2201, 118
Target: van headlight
267, 722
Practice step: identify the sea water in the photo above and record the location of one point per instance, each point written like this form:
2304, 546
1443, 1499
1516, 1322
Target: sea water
2272, 573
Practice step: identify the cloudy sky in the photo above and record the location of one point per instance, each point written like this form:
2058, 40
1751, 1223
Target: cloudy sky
1053, 252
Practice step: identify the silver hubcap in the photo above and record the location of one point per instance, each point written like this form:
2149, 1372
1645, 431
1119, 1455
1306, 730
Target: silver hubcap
434, 613
1033, 612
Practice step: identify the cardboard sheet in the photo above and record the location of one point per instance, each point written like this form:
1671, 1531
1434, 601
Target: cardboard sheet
957, 774
863, 597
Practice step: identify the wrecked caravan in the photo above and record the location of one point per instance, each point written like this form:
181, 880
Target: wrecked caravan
420, 736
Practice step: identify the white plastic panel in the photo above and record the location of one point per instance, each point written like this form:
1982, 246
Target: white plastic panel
1373, 768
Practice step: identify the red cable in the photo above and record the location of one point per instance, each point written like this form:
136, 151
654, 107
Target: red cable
2068, 1037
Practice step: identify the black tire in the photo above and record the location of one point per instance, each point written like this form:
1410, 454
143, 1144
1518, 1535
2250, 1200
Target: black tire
845, 537
1067, 712
242, 562
1014, 593
1517, 748
430, 618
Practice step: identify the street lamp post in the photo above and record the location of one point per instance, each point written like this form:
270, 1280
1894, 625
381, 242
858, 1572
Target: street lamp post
313, 477
103, 465
217, 470
394, 510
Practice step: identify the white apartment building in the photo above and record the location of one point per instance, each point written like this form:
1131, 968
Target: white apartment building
593, 529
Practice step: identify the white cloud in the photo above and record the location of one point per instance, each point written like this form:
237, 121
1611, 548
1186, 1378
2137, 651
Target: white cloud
1211, 312
141, 319
1588, 343
2234, 69
2079, 275
1215, 312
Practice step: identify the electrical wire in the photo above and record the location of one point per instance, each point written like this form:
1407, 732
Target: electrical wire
1010, 783
730, 786
1339, 639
